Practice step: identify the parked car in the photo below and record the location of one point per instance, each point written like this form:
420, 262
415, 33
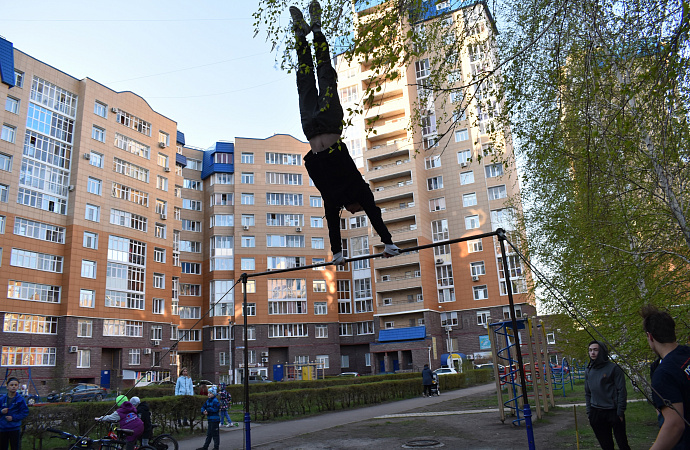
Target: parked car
31, 399
78, 393
165, 382
349, 374
445, 371
259, 379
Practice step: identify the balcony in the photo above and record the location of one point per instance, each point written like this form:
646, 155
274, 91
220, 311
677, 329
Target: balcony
406, 259
389, 128
397, 169
394, 191
400, 303
392, 214
397, 148
400, 234
387, 108
391, 284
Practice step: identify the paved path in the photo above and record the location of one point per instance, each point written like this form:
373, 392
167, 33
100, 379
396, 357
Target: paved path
262, 434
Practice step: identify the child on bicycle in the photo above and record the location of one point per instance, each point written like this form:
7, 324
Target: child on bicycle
144, 413
126, 414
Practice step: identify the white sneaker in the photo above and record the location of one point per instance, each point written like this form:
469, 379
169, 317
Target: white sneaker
391, 250
338, 259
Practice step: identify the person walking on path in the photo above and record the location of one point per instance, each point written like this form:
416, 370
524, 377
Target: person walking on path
13, 410
606, 398
184, 386
670, 380
211, 409
427, 380
224, 398
329, 163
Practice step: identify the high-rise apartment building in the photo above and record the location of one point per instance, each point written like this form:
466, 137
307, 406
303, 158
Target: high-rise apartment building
138, 240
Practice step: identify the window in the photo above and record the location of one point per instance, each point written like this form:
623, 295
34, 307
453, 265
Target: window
35, 230
247, 178
193, 164
464, 156
317, 243
320, 308
483, 317
321, 331
159, 255
551, 338
160, 230
159, 281
4, 193
248, 241
193, 205
471, 222
497, 192
134, 356
96, 159
467, 177
469, 199
480, 292
247, 158
503, 218
247, 264
8, 133
494, 170
158, 305
12, 105
98, 133
87, 298
93, 213
162, 183
83, 359
449, 318
100, 109
319, 285
2, 224
88, 269
322, 361
164, 138
37, 261
434, 183
90, 240
5, 162
85, 328
437, 204
474, 246
477, 268
432, 162
18, 79
316, 222
506, 312
223, 158
247, 199
462, 135
162, 160
315, 202
93, 186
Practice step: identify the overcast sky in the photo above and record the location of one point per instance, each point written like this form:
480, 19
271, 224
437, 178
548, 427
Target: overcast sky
195, 62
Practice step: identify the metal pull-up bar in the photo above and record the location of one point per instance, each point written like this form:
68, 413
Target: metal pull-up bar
500, 233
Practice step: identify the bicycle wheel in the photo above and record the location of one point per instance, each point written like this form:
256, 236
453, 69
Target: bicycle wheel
146, 447
164, 442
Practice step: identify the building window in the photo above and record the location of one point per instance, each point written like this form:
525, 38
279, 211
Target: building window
432, 162
251, 309
37, 261
162, 183
2, 224
321, 331
159, 255
247, 264
96, 159
317, 243
475, 246
319, 285
316, 222
88, 269
158, 306
90, 240
247, 178
87, 298
471, 222
322, 361
159, 280
247, 199
248, 241
85, 328
4, 193
18, 79
5, 162
477, 268
247, 158
449, 318
469, 199
93, 213
494, 170
483, 317
467, 178
434, 183
98, 133
160, 230
464, 156
480, 292
93, 186
320, 308
497, 192
437, 204
344, 361
100, 109
315, 202
134, 356
551, 338
83, 359
462, 135
12, 105
247, 220
164, 138
8, 133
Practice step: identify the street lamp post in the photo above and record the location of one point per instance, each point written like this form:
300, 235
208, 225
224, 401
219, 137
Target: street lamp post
231, 362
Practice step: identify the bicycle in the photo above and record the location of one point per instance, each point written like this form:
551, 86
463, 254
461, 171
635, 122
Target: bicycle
163, 441
87, 443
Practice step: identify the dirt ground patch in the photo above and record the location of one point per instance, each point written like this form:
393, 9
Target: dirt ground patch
467, 431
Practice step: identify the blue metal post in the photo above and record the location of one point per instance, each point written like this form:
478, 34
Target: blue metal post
528, 424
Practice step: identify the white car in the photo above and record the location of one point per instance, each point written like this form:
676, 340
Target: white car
445, 371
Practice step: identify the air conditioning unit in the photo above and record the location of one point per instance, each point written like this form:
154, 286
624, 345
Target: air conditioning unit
298, 229
73, 349
245, 227
387, 301
155, 342
464, 164
164, 216
147, 351
475, 277
70, 187
161, 144
167, 169
440, 261
113, 110
264, 354
86, 155
385, 277
417, 273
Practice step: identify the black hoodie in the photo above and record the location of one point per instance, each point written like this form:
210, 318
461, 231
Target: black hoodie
605, 383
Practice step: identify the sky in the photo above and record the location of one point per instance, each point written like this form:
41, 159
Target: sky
195, 62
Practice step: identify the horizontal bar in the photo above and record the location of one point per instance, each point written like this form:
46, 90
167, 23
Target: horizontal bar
498, 232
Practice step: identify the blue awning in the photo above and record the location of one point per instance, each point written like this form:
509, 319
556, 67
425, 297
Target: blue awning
180, 137
181, 160
6, 62
402, 334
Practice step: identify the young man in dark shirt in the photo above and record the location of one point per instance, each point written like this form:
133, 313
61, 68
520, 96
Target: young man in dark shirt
329, 163
670, 380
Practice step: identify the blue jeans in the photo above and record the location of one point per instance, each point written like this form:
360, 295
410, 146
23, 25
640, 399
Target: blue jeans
223, 415
213, 432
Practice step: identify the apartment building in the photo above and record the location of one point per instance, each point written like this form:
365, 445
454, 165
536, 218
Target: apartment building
138, 240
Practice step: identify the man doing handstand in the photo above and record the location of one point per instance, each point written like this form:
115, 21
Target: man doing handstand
329, 163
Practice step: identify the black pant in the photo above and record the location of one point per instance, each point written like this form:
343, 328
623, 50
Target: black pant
213, 433
604, 422
10, 439
335, 175
320, 111
427, 390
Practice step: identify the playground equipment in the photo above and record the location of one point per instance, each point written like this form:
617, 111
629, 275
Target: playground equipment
531, 347
24, 374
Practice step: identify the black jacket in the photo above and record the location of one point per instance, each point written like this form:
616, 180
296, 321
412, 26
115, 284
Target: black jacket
145, 416
605, 383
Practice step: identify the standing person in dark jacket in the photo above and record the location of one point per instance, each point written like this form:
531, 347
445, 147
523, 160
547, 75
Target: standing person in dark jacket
13, 410
329, 163
427, 380
211, 409
605, 397
144, 413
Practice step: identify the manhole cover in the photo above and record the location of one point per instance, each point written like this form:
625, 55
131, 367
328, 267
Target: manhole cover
423, 443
